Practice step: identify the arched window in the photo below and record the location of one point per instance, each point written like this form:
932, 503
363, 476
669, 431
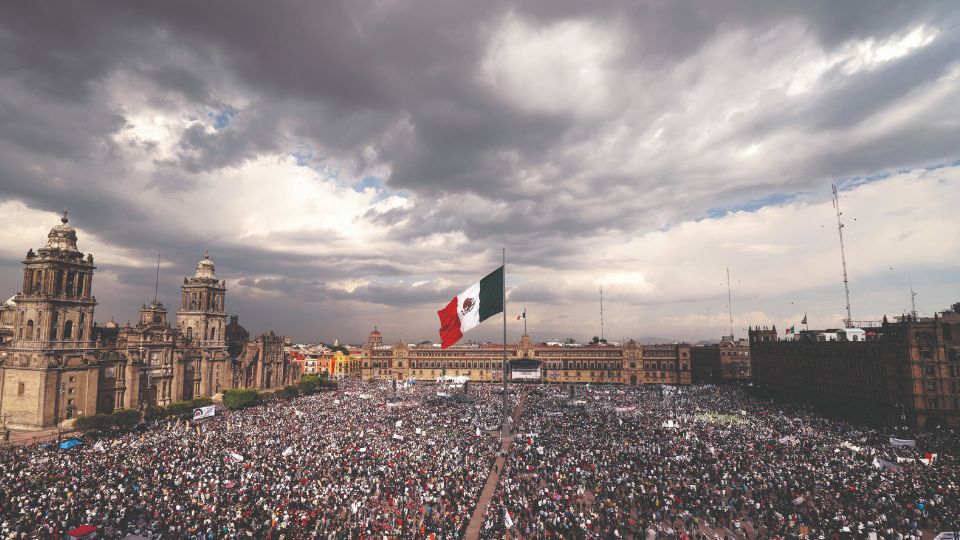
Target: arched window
30, 329
189, 332
54, 321
37, 282
70, 282
59, 282
68, 330
212, 330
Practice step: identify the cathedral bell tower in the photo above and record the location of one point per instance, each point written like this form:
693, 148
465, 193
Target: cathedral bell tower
48, 374
55, 309
202, 318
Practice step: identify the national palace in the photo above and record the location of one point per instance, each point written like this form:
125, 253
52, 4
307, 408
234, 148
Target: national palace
631, 363
56, 363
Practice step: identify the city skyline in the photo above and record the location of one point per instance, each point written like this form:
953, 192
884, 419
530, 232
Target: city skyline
368, 167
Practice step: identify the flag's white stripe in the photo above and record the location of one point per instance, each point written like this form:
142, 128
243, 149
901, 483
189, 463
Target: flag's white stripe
471, 318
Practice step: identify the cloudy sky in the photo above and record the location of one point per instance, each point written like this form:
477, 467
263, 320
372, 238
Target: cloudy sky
358, 163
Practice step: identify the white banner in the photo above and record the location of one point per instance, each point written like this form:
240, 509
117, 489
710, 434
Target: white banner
288, 451
903, 442
882, 463
528, 374
850, 446
204, 412
236, 457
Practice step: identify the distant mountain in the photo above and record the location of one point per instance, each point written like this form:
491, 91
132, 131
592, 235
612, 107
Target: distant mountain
656, 340
708, 342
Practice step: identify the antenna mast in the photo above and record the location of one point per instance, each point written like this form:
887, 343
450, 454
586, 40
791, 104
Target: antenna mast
913, 297
601, 313
843, 258
729, 304
156, 286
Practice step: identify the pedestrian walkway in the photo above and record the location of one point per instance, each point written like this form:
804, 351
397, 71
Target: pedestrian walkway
21, 438
490, 488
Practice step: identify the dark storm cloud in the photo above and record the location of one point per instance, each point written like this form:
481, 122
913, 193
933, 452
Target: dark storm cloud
398, 294
389, 87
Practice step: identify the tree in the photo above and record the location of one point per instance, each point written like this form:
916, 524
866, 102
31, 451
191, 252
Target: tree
288, 392
239, 398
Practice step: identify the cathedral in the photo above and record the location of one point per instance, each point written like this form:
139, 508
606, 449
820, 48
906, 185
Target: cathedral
56, 363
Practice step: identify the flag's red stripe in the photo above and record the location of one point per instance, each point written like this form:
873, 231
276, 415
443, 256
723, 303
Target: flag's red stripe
449, 324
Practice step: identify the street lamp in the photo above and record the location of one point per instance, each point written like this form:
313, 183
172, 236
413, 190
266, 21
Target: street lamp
5, 432
63, 391
149, 383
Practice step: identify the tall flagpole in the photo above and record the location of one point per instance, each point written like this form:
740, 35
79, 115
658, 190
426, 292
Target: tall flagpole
503, 428
525, 317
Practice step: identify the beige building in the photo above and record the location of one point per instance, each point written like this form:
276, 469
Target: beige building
56, 363
726, 362
631, 363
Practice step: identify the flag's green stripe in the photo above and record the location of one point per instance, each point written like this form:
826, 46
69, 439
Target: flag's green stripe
491, 294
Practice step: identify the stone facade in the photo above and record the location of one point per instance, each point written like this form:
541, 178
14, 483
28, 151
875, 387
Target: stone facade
905, 372
631, 363
726, 362
56, 363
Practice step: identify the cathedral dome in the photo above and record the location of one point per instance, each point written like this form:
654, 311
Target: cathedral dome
376, 338
205, 268
62, 237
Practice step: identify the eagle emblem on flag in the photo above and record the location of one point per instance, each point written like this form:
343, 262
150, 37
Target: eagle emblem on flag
468, 305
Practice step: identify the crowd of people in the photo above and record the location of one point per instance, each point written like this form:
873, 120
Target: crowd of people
707, 461
376, 460
362, 462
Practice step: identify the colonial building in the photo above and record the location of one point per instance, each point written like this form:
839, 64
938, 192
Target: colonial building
905, 372
725, 362
628, 364
56, 363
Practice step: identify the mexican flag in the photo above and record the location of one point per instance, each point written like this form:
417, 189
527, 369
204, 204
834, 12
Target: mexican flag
478, 303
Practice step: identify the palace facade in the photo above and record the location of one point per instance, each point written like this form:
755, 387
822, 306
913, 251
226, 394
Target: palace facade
725, 362
56, 363
631, 363
904, 372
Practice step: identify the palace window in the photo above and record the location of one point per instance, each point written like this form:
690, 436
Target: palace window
20, 388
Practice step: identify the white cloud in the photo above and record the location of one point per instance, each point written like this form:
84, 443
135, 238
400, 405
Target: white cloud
561, 68
27, 228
